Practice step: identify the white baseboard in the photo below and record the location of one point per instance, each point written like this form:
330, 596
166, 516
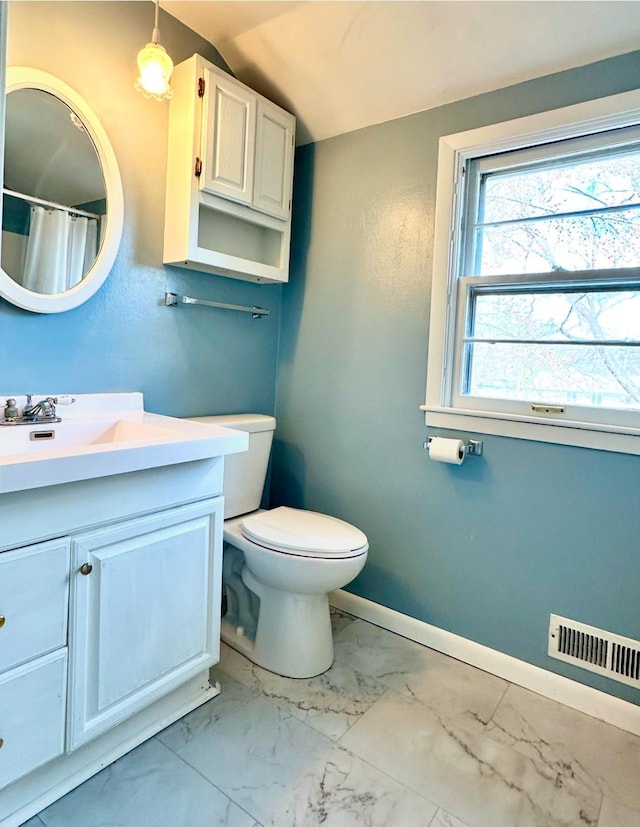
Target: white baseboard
608, 708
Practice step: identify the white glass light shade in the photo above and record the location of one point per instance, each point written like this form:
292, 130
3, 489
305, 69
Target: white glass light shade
155, 67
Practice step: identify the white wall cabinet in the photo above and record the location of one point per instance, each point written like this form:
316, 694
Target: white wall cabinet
229, 177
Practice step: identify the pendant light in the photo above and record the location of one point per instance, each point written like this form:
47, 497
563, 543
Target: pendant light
155, 67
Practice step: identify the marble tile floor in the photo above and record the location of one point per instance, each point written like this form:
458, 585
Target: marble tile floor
393, 735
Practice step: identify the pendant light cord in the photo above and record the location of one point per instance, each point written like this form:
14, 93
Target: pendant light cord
155, 37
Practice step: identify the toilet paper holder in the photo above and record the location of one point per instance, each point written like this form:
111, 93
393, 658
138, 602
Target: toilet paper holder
470, 446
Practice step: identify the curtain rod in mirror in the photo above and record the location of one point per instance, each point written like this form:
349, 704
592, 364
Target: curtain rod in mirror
42, 202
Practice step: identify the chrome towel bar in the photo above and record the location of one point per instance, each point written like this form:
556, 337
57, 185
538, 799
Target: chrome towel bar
172, 299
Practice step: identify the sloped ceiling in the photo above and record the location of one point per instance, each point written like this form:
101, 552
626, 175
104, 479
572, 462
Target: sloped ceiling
339, 65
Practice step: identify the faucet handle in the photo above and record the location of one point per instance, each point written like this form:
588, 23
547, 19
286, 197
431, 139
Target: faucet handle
28, 406
10, 410
64, 399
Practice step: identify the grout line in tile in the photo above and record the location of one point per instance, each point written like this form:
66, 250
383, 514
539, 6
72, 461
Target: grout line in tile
329, 741
378, 769
283, 702
210, 783
600, 809
433, 819
237, 705
256, 694
497, 706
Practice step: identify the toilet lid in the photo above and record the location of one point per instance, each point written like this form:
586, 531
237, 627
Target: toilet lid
294, 531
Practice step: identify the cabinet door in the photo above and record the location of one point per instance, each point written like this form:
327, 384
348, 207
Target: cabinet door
274, 160
145, 613
229, 126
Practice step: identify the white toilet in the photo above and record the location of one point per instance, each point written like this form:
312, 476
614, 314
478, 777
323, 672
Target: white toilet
279, 565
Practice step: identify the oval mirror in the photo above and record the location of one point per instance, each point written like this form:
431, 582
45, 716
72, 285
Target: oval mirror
62, 201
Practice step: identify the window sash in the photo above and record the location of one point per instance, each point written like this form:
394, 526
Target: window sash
477, 169
471, 286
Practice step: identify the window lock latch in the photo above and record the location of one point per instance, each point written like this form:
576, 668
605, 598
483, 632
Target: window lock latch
549, 409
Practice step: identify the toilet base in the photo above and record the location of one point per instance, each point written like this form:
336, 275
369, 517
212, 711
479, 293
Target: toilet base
293, 635
282, 602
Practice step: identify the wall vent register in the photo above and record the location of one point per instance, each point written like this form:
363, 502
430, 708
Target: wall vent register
605, 653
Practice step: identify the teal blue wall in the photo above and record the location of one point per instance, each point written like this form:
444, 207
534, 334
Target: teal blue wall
486, 550
187, 361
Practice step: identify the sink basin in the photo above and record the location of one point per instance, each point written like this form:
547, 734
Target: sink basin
105, 434
71, 435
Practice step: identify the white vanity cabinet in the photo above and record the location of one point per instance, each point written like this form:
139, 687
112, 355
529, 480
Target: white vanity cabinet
110, 581
106, 634
144, 613
229, 177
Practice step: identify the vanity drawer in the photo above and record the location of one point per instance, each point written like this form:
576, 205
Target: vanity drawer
34, 586
32, 715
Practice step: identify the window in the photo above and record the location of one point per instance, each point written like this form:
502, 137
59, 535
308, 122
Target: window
535, 323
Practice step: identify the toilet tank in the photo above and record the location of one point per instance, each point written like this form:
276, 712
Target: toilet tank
245, 473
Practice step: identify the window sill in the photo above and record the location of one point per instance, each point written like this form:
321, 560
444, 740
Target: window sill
560, 432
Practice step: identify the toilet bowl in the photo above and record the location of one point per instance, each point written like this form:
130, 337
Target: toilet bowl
279, 565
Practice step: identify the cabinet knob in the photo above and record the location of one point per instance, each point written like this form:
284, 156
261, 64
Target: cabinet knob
1, 742
86, 568
3, 620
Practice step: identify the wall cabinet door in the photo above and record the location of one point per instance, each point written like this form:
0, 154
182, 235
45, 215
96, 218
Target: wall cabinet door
145, 613
247, 146
229, 128
274, 160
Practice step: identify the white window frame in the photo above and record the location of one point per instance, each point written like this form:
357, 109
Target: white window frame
455, 151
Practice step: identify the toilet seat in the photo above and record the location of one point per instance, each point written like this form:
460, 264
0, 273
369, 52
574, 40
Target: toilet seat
304, 533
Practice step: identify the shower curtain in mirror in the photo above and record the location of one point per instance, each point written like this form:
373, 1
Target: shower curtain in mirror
60, 250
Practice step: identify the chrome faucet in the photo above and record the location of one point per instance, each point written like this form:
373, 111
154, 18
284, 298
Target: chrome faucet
42, 411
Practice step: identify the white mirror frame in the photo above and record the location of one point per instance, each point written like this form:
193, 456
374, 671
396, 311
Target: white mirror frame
20, 77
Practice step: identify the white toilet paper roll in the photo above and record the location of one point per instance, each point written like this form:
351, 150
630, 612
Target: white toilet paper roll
442, 449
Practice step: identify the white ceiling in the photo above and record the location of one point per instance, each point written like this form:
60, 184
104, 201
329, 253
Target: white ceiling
339, 65
47, 152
